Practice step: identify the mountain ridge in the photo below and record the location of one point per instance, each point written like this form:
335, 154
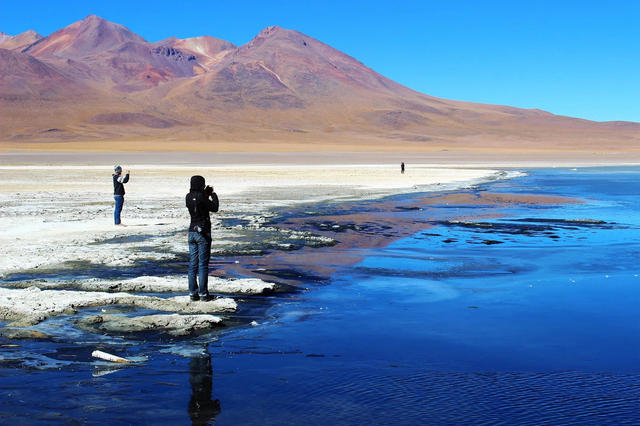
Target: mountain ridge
281, 85
20, 41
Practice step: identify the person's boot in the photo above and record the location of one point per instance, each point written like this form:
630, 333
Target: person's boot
208, 297
194, 297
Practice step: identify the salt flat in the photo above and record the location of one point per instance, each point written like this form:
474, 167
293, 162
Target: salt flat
57, 224
50, 215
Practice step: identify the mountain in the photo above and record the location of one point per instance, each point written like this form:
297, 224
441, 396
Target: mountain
286, 80
109, 55
281, 69
24, 77
207, 50
84, 38
109, 83
20, 41
34, 96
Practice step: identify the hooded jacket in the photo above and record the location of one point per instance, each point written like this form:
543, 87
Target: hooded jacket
118, 183
199, 205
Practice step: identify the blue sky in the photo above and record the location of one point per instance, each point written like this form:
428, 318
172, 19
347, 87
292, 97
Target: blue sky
576, 58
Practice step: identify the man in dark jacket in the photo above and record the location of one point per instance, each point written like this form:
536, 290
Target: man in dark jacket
118, 191
200, 201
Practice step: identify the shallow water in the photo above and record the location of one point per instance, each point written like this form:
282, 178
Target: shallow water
513, 314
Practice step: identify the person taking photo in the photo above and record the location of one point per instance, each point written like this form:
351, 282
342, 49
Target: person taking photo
200, 201
118, 192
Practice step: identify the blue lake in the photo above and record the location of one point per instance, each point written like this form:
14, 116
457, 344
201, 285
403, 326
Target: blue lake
508, 313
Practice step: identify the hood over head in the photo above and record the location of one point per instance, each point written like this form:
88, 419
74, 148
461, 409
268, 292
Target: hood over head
197, 183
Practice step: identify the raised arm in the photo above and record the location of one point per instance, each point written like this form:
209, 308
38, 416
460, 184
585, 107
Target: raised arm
213, 203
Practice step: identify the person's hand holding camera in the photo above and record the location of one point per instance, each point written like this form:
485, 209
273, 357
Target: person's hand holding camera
208, 190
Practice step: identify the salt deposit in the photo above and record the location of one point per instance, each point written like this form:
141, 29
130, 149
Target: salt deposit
51, 216
147, 284
32, 305
56, 221
174, 324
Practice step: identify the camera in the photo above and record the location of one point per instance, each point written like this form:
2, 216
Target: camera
208, 190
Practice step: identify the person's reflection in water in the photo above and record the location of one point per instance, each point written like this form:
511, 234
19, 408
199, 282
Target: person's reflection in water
201, 408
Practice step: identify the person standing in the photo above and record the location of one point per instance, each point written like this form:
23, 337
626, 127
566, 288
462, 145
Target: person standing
118, 192
402, 167
200, 201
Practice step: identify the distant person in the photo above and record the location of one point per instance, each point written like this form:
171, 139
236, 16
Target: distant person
118, 191
402, 167
200, 201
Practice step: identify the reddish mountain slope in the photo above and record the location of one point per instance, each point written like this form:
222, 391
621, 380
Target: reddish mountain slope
110, 56
36, 100
84, 38
24, 77
206, 50
281, 86
286, 70
20, 41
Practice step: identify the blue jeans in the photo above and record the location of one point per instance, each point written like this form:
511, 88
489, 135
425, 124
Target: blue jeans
199, 254
119, 203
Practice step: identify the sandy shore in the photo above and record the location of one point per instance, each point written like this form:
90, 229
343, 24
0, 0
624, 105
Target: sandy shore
331, 154
57, 220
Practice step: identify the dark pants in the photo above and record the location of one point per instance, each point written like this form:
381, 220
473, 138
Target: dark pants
199, 254
119, 203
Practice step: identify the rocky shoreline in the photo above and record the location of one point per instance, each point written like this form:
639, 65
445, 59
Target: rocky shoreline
30, 302
25, 307
151, 284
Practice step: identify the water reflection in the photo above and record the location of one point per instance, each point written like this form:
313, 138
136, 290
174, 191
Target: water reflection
202, 409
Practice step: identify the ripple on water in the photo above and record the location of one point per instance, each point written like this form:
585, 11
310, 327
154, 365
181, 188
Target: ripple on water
463, 398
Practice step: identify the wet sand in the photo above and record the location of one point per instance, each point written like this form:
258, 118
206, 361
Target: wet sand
359, 226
